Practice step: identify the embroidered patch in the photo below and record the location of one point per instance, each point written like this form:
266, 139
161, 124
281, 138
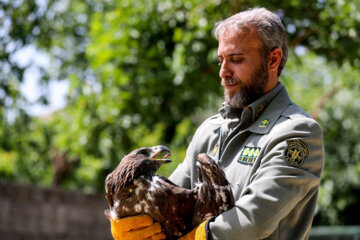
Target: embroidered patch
260, 108
264, 123
248, 155
296, 152
215, 149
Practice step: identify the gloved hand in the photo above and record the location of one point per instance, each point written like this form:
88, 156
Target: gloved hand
198, 233
136, 228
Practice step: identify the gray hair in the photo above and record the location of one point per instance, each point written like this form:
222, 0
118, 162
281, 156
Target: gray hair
271, 31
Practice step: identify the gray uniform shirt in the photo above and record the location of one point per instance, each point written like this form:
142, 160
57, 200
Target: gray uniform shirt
272, 153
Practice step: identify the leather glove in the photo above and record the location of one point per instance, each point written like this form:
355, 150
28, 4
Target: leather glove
139, 227
198, 233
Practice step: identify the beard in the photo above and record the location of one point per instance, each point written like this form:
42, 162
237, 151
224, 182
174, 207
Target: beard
248, 92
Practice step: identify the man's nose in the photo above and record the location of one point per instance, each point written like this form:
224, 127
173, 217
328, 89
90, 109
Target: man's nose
225, 71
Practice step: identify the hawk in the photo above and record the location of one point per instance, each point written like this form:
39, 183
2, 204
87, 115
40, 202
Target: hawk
133, 189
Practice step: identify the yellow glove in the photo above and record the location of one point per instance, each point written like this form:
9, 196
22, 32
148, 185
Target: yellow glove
198, 233
136, 228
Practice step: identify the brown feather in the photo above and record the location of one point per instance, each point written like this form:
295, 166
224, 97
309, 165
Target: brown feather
214, 194
132, 189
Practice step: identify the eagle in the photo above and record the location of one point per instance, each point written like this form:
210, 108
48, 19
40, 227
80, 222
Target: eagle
133, 189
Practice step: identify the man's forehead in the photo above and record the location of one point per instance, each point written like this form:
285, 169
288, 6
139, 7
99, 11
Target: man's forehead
244, 39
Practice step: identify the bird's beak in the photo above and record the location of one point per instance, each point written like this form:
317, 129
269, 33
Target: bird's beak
160, 154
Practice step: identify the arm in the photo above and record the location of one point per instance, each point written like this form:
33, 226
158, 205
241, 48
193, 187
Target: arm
277, 189
181, 175
185, 174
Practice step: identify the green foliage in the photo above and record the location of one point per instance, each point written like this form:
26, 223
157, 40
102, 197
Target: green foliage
341, 182
147, 48
144, 73
307, 77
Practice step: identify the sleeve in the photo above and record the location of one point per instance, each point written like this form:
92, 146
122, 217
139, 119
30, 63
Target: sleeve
278, 188
185, 175
182, 174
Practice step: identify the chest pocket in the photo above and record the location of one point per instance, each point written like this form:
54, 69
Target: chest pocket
239, 170
238, 174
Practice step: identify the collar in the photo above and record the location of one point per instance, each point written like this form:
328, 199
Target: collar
259, 106
229, 112
278, 100
250, 114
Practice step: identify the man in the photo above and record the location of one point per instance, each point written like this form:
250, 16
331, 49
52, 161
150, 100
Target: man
270, 150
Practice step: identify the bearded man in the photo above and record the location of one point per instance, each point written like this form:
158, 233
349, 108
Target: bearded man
270, 150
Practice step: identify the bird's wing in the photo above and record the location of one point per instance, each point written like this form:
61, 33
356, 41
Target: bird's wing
214, 194
177, 206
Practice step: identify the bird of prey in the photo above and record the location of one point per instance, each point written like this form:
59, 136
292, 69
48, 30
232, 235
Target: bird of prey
133, 189
213, 190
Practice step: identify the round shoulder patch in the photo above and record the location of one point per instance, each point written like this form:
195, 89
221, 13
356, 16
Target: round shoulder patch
296, 152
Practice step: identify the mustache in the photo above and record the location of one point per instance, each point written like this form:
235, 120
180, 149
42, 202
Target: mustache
229, 81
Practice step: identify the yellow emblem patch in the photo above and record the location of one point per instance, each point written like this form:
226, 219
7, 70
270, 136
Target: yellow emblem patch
248, 155
264, 123
260, 108
296, 152
215, 149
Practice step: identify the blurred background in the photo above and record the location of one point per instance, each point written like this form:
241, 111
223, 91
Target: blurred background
83, 82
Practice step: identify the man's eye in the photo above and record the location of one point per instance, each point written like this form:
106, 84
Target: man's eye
219, 63
237, 60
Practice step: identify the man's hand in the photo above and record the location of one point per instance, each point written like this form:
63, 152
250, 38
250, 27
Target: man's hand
136, 228
198, 233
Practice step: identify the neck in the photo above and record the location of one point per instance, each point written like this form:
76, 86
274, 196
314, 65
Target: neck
273, 81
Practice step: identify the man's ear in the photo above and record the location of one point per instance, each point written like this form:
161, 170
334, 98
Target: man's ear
275, 59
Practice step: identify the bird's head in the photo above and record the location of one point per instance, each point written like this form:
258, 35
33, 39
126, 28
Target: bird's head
142, 162
149, 159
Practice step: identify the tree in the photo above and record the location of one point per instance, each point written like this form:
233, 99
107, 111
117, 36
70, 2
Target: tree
144, 73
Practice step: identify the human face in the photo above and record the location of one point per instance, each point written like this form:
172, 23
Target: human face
244, 72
